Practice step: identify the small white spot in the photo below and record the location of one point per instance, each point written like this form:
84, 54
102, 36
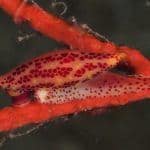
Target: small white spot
42, 94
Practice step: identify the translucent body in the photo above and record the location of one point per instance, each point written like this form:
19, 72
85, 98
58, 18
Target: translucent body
104, 86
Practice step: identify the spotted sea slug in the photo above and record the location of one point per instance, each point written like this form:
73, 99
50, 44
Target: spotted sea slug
107, 86
57, 69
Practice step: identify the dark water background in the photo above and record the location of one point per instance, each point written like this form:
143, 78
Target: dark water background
124, 128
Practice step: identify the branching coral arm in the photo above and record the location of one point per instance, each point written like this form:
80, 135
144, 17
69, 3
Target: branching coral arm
140, 64
52, 26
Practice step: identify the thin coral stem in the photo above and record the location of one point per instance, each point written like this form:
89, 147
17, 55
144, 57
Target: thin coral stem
52, 26
135, 59
72, 35
14, 117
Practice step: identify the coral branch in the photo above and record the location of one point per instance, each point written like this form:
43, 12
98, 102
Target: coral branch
53, 26
135, 59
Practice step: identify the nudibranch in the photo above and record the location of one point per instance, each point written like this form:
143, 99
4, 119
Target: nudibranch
103, 87
55, 70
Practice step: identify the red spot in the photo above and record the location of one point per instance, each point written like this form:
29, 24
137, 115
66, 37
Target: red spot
90, 66
79, 72
82, 58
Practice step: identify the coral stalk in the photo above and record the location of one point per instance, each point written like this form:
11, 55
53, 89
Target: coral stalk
52, 26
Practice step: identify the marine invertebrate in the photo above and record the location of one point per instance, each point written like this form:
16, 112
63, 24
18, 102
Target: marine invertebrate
104, 86
56, 69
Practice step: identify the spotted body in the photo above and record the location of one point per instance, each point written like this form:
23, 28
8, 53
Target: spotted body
104, 86
57, 69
